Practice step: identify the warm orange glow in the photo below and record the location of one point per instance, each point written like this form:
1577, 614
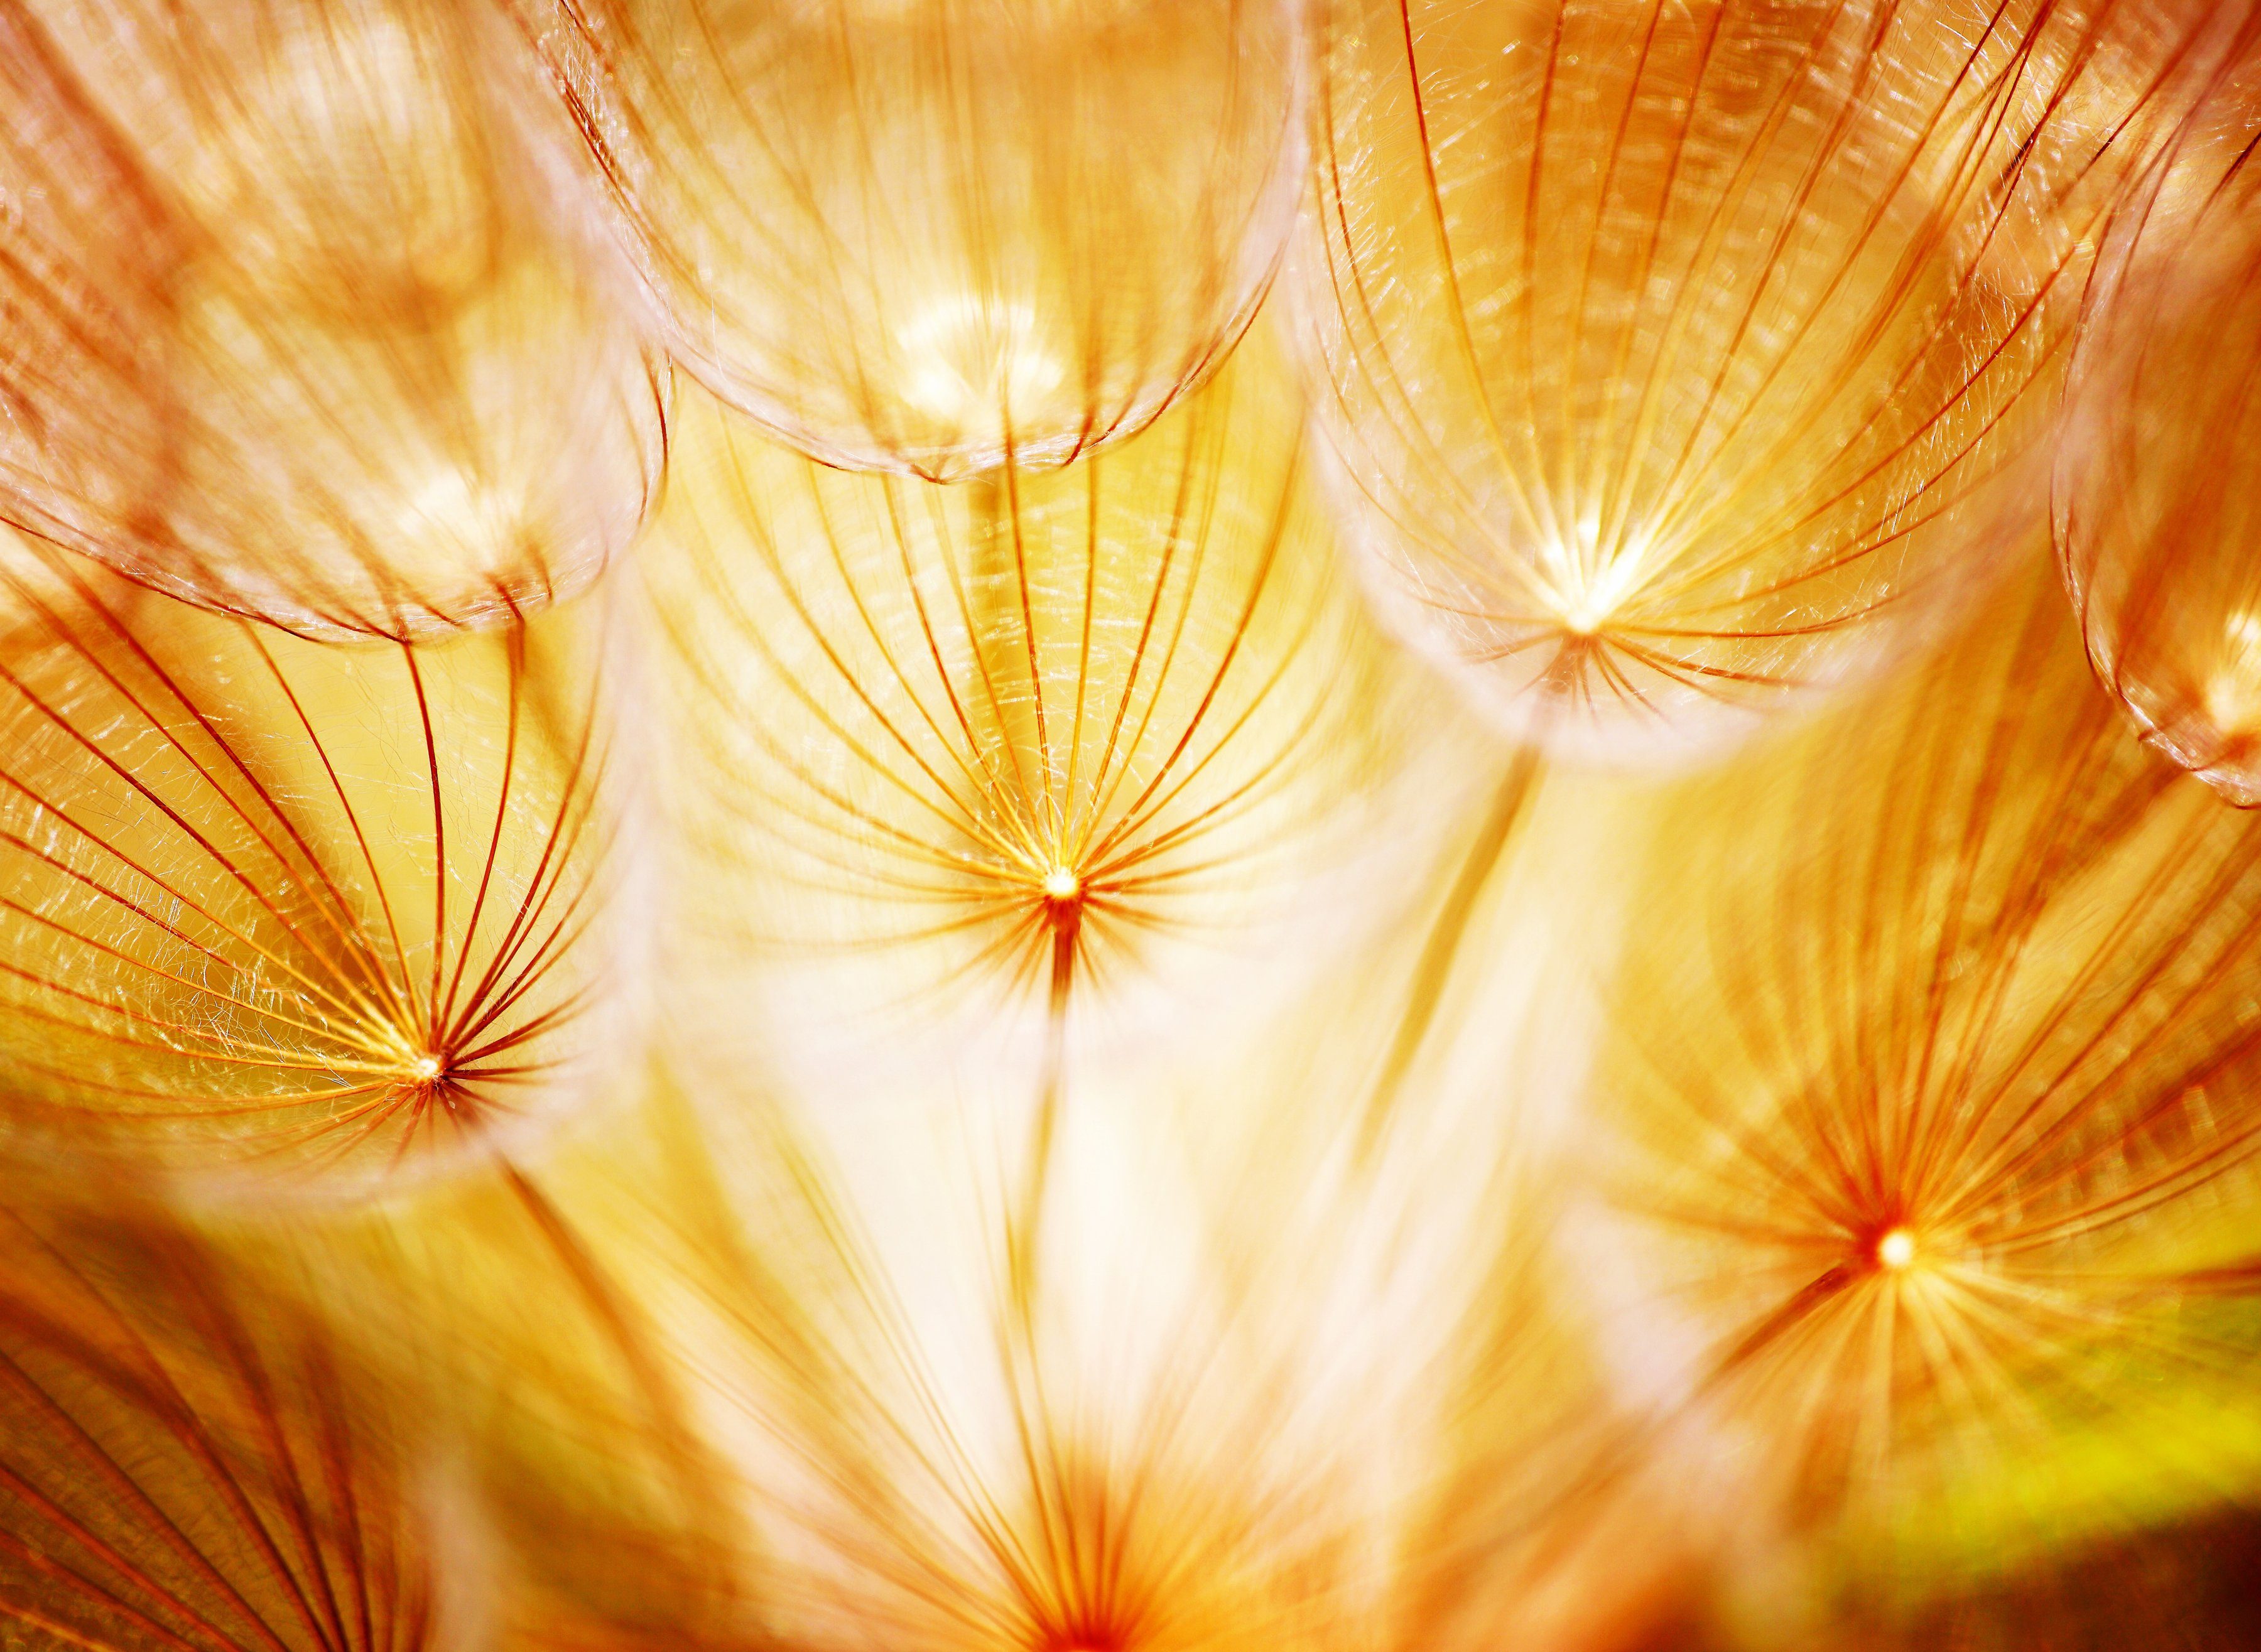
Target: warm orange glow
930, 237
1908, 1216
2156, 524
290, 340
1672, 352
1130, 825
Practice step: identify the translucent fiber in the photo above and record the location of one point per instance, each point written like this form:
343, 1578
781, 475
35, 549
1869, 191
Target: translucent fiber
923, 237
285, 335
2159, 516
283, 915
1675, 355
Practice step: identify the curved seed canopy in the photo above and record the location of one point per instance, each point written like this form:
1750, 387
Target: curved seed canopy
284, 335
1934, 1098
1036, 727
271, 910
1670, 350
932, 238
2156, 528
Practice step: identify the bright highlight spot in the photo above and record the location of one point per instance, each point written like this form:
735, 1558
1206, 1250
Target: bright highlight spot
459, 516
2233, 693
1896, 1249
426, 1067
970, 361
1060, 884
1588, 584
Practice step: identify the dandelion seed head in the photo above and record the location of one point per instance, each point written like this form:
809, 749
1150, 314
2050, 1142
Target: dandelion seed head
855, 289
1666, 393
1907, 1263
304, 900
328, 288
1087, 721
2154, 530
1670, 354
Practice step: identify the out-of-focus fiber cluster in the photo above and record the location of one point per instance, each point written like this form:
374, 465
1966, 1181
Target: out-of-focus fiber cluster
1129, 825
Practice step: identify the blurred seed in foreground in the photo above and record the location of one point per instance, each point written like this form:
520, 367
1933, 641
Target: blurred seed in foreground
187, 1461
1930, 1116
2156, 516
285, 335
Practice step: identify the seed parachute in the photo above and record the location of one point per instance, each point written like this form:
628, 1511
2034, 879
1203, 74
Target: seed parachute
1130, 825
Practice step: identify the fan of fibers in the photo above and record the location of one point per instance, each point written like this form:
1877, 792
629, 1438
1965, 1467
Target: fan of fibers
279, 912
1674, 355
285, 333
763, 889
1099, 731
1932, 1099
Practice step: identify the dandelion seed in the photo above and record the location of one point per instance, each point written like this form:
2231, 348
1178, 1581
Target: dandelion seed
1096, 730
1242, 1413
1917, 1102
286, 338
1681, 358
940, 238
2154, 531
298, 914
